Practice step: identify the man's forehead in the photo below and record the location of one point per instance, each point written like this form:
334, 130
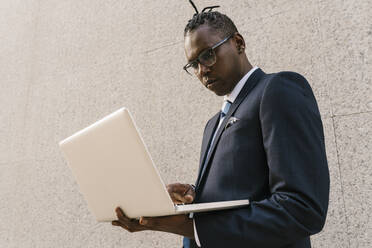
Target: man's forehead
198, 40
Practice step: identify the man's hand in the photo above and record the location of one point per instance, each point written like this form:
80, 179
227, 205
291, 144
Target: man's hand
181, 193
177, 224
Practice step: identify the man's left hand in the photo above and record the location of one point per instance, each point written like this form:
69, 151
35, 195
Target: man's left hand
177, 224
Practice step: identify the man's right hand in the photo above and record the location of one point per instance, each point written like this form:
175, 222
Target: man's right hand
181, 193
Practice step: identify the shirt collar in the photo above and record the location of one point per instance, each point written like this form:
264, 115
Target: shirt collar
238, 87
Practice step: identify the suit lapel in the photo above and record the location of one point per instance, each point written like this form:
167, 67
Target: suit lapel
208, 134
249, 85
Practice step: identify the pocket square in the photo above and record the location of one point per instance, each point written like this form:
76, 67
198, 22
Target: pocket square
231, 122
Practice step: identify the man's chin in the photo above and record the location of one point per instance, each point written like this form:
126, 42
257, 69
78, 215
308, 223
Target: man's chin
220, 92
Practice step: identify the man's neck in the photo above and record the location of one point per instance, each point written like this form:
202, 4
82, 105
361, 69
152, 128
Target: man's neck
246, 66
237, 88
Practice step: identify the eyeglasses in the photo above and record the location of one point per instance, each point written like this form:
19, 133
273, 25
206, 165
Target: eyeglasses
207, 58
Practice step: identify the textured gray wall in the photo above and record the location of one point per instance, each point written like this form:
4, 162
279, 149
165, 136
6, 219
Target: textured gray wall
65, 64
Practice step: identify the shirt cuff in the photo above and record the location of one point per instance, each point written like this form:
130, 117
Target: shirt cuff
196, 234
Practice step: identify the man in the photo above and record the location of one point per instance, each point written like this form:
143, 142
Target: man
266, 144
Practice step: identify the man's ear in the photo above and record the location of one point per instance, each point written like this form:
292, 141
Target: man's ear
239, 42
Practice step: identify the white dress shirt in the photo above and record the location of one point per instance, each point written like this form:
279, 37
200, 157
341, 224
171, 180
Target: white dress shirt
229, 97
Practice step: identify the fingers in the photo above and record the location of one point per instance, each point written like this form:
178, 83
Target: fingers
181, 193
190, 195
115, 223
177, 188
156, 223
120, 214
131, 225
143, 221
178, 199
189, 198
170, 223
147, 221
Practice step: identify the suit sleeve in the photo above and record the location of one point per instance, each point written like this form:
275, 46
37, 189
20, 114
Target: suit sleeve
296, 207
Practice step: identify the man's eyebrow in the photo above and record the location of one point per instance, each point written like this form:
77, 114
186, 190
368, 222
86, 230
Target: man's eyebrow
190, 61
205, 49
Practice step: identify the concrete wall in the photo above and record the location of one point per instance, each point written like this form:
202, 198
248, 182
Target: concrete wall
65, 64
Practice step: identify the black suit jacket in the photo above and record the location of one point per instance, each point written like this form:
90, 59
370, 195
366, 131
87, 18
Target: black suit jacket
273, 155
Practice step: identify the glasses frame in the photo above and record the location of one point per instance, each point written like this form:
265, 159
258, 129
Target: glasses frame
188, 65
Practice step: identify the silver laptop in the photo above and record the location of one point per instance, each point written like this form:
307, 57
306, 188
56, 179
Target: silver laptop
113, 167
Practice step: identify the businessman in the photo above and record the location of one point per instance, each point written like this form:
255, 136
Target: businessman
266, 144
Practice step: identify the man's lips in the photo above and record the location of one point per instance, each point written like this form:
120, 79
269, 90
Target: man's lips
210, 82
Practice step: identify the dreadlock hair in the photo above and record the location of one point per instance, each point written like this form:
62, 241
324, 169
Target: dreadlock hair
217, 21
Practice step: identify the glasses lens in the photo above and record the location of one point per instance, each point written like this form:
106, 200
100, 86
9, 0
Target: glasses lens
208, 57
191, 67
